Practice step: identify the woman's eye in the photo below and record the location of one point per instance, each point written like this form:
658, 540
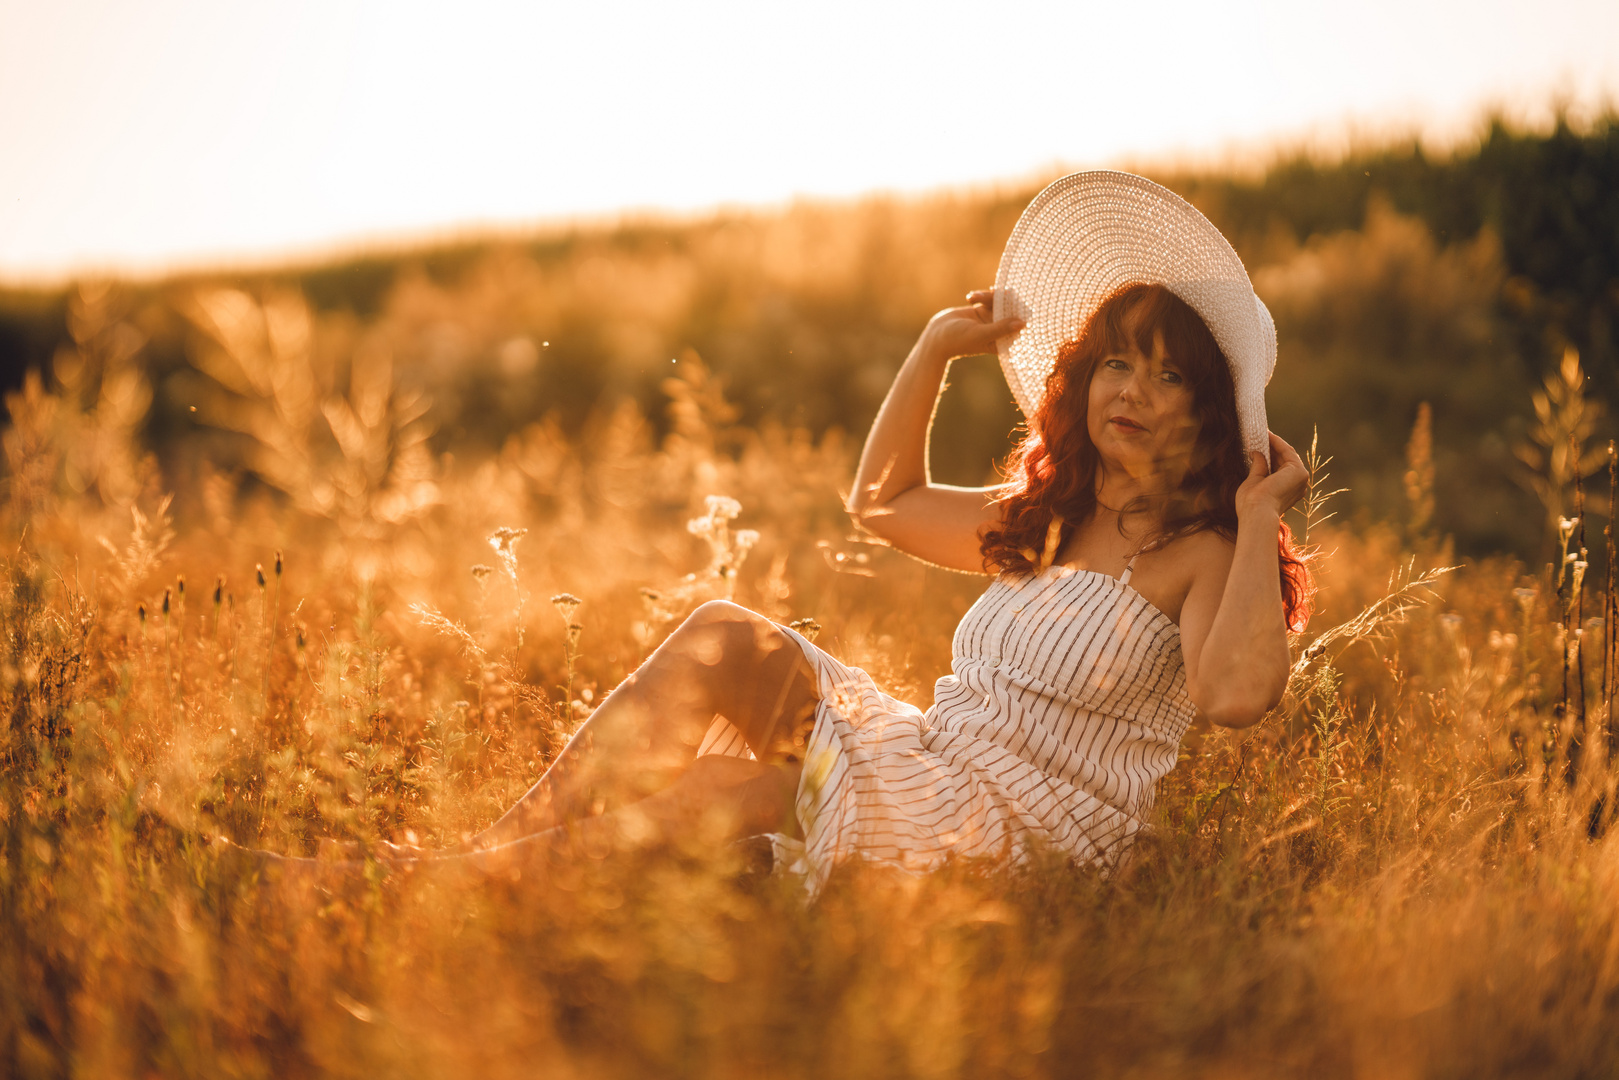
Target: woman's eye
1172, 378
1116, 364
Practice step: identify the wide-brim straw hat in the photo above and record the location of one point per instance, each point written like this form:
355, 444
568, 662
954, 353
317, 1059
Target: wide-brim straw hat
1092, 233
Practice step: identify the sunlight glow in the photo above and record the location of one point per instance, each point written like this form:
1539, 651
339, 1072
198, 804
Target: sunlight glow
167, 133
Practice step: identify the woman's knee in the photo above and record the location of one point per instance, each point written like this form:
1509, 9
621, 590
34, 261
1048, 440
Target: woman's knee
722, 633
721, 613
748, 669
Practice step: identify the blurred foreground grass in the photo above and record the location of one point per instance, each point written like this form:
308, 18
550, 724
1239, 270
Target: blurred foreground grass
1398, 874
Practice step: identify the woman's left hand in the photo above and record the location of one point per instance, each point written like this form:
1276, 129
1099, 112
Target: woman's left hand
1273, 490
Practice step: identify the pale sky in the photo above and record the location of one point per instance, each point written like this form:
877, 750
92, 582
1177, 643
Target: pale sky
142, 136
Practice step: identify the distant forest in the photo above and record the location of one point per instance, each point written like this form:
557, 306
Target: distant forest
1396, 277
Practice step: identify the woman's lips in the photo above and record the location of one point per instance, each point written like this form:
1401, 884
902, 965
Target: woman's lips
1125, 423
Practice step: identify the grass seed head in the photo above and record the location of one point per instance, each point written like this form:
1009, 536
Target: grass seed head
722, 507
504, 540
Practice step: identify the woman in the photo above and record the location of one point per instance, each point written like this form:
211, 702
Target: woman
1143, 576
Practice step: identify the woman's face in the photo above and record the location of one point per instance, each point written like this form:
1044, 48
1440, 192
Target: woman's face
1141, 416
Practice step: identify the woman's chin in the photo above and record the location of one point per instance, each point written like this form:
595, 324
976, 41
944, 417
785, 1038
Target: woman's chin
1126, 449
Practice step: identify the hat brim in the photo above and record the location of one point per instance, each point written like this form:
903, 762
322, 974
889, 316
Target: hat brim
1090, 234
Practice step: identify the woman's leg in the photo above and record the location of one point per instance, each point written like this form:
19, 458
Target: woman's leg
726, 797
723, 660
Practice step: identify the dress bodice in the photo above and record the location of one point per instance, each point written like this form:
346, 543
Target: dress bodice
1076, 673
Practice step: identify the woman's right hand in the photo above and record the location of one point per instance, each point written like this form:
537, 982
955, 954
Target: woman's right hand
893, 495
969, 330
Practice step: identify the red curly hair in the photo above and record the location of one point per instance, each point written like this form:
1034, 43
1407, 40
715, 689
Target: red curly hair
1053, 469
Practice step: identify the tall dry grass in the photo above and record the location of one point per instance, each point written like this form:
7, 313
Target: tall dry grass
1404, 872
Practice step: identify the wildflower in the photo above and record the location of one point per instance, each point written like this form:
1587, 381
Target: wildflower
722, 507
165, 603
258, 569
278, 563
1451, 622
566, 604
1525, 597
482, 572
808, 627
503, 540
745, 539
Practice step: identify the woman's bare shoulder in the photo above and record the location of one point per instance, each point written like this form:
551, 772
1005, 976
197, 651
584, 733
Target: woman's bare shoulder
1202, 553
1204, 543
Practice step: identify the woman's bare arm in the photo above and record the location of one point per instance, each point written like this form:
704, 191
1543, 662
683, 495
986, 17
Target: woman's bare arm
893, 495
1233, 626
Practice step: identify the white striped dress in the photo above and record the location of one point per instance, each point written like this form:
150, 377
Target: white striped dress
1065, 705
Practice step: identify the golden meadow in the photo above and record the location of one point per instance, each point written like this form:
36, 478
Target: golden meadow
403, 545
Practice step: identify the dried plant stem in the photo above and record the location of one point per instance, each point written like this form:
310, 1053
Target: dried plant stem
269, 640
1574, 653
235, 641
1406, 591
180, 645
1316, 495
567, 604
571, 657
168, 657
1610, 612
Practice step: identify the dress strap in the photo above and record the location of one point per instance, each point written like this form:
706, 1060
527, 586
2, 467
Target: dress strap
1129, 566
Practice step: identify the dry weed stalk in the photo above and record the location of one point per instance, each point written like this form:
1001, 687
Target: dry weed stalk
567, 604
1419, 475
1555, 451
1313, 512
504, 541
1610, 615
1407, 590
